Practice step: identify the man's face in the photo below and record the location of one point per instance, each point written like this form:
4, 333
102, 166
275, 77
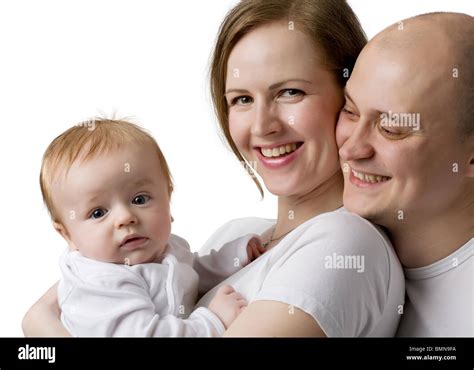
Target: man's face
400, 148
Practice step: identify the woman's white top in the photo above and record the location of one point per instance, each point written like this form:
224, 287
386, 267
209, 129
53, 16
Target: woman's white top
337, 267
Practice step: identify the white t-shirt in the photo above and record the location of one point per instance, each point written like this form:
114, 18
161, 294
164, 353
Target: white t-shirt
440, 297
337, 267
146, 300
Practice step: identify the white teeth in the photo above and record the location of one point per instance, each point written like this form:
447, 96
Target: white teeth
369, 178
276, 152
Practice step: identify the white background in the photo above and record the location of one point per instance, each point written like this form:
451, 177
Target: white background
62, 62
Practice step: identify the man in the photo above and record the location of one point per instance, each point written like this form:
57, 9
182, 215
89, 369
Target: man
406, 138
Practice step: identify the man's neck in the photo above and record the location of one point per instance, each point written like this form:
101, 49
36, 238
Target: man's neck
430, 239
294, 210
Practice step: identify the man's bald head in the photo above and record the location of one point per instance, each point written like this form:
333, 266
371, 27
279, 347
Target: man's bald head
441, 44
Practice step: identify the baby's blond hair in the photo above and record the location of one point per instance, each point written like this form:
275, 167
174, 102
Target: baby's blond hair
91, 139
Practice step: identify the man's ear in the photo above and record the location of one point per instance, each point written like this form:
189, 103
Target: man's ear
63, 232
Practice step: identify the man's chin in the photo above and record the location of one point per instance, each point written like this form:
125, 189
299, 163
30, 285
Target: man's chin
363, 209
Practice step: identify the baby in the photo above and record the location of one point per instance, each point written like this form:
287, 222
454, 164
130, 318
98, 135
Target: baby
108, 190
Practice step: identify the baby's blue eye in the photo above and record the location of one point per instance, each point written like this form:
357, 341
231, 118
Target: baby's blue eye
98, 213
140, 199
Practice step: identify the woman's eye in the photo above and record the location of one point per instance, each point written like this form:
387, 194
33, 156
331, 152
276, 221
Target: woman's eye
241, 100
290, 93
98, 213
140, 199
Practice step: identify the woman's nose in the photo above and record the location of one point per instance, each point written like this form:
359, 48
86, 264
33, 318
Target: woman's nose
265, 119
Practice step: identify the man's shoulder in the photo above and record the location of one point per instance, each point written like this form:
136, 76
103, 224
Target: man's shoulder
342, 224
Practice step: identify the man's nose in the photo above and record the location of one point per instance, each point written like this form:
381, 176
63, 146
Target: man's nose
358, 144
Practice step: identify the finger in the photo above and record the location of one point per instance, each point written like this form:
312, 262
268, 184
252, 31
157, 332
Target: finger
226, 289
234, 295
242, 302
256, 253
249, 251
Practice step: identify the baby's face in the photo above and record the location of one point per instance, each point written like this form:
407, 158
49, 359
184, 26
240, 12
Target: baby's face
115, 208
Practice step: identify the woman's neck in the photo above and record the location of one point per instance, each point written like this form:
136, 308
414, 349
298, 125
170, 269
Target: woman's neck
294, 210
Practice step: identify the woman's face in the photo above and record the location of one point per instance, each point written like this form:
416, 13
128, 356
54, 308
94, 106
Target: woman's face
283, 107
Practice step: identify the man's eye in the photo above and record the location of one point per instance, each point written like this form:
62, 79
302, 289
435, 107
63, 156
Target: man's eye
388, 133
241, 100
140, 199
290, 93
98, 213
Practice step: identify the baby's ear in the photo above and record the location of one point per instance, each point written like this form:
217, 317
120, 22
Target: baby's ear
63, 232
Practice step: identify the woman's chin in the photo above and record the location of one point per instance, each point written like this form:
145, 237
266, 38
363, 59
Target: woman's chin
282, 188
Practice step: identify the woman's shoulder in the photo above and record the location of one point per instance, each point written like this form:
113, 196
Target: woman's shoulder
245, 225
345, 230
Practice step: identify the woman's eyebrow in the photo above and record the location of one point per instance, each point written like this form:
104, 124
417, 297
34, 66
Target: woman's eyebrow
347, 95
239, 91
279, 84
271, 87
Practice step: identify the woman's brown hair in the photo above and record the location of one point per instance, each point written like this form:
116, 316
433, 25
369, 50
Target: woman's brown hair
330, 24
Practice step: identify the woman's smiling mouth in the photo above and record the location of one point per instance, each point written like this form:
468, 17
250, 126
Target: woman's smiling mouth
277, 156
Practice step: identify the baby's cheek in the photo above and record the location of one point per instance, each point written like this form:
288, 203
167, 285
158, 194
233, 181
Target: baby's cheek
161, 228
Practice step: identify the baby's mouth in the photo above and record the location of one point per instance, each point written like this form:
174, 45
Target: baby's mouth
132, 240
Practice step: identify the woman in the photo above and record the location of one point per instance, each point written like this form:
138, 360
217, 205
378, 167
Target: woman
277, 79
